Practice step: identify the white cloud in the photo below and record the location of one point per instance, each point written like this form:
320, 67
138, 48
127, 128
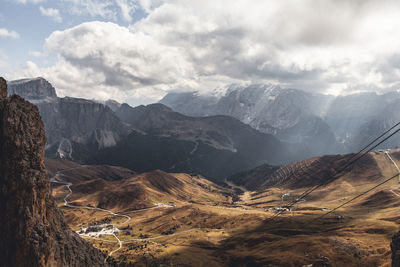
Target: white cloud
332, 46
52, 13
150, 5
4, 33
108, 56
127, 8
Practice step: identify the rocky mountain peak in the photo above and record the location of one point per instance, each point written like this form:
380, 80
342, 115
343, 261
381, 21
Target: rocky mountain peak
112, 104
157, 107
33, 229
71, 124
32, 89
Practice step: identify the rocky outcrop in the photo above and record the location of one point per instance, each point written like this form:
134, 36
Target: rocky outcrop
33, 230
75, 128
395, 246
33, 89
80, 122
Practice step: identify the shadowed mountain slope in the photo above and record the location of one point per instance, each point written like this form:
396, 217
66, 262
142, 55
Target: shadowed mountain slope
308, 173
215, 147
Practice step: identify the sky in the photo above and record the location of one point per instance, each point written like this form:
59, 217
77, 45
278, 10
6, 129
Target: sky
136, 51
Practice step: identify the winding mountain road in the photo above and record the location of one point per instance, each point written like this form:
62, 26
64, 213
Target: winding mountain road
115, 250
145, 239
56, 179
68, 185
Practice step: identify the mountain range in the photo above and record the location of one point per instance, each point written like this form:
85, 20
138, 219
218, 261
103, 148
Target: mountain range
324, 123
150, 137
215, 146
193, 133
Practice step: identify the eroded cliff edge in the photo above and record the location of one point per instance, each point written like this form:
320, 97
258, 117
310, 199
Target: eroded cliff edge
33, 230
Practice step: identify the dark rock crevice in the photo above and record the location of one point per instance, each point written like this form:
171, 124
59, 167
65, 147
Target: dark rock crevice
395, 246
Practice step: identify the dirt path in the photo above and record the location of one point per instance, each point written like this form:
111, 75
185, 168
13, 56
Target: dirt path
143, 239
120, 246
68, 185
56, 179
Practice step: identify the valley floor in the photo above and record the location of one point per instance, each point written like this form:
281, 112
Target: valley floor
212, 227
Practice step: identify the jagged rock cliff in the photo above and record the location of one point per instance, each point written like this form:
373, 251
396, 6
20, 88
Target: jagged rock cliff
74, 127
395, 246
33, 230
33, 89
73, 122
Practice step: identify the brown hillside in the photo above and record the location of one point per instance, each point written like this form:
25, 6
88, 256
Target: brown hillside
144, 190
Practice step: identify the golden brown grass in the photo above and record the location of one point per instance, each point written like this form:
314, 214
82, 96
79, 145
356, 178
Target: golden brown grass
210, 231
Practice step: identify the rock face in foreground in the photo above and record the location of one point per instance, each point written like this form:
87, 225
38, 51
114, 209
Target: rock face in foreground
395, 246
33, 230
3, 88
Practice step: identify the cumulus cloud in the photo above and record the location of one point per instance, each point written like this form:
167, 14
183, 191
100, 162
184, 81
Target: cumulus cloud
4, 33
52, 13
333, 46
